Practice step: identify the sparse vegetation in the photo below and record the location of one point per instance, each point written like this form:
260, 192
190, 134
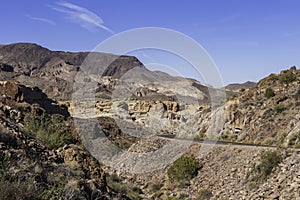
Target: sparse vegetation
56, 190
115, 183
228, 136
273, 77
204, 194
4, 167
183, 169
22, 190
269, 141
51, 130
279, 108
293, 68
12, 187
269, 160
269, 93
287, 77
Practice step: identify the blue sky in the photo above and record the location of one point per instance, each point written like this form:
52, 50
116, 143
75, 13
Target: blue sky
246, 39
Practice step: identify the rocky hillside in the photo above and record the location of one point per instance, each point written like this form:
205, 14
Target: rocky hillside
56, 121
267, 113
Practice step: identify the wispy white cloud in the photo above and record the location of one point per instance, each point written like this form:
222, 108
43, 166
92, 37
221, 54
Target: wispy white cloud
48, 21
84, 17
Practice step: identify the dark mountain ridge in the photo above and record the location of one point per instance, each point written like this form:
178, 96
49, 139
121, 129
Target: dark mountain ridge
54, 71
238, 86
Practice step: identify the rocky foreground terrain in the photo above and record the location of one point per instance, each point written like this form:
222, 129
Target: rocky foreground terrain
89, 126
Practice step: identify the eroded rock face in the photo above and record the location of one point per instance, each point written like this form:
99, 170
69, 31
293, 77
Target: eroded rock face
253, 117
20, 93
9, 89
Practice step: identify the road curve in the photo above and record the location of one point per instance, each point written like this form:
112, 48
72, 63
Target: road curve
222, 142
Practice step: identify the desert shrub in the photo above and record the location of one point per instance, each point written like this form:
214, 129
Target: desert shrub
11, 187
115, 183
51, 130
287, 77
23, 190
4, 168
228, 136
269, 160
54, 191
183, 169
279, 108
293, 68
204, 194
269, 93
273, 77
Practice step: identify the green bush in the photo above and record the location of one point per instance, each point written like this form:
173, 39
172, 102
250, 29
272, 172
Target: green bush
293, 68
269, 160
184, 168
287, 77
55, 191
51, 130
280, 108
269, 93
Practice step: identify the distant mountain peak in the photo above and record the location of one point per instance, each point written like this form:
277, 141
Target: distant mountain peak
55, 71
238, 86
